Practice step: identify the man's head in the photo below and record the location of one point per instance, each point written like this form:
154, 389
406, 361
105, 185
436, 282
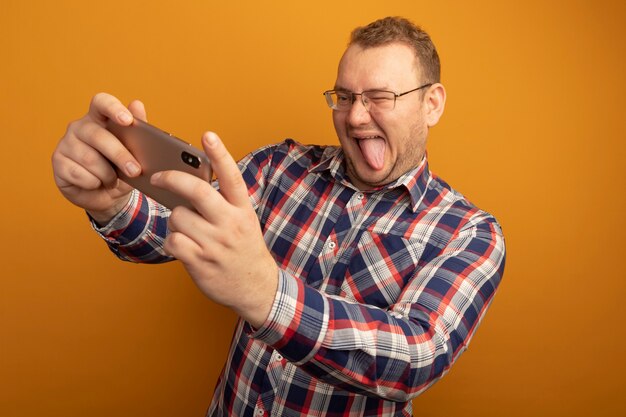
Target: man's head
399, 30
384, 135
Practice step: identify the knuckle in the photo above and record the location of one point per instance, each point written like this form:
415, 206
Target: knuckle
78, 178
72, 126
99, 95
174, 244
60, 164
96, 102
99, 98
172, 237
104, 105
174, 216
74, 173
167, 244
88, 158
55, 158
84, 131
200, 192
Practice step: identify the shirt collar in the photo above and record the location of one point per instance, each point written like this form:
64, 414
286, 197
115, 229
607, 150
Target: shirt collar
415, 181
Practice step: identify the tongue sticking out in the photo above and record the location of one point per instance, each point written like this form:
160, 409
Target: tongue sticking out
373, 150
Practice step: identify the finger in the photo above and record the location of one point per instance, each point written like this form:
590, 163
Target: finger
105, 143
232, 185
201, 194
77, 169
138, 110
72, 150
105, 106
69, 173
181, 247
190, 223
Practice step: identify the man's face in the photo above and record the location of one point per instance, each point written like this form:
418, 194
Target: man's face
380, 146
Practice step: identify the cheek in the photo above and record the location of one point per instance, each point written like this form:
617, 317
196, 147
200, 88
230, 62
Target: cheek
338, 121
405, 141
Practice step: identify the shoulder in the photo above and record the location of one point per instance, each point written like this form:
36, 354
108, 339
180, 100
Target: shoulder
282, 162
452, 213
290, 149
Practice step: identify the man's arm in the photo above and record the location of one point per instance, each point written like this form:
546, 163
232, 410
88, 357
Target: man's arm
399, 352
137, 232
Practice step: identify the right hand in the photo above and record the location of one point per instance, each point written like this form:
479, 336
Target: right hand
80, 162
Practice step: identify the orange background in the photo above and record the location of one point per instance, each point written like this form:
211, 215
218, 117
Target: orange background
534, 132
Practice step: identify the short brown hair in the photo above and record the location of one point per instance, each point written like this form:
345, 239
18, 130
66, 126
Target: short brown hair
398, 29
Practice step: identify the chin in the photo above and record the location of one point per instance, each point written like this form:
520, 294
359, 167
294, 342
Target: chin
367, 178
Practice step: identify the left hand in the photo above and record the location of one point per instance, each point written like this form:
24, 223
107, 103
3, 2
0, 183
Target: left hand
221, 245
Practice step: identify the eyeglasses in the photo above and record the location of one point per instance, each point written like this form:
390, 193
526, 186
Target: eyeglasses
342, 100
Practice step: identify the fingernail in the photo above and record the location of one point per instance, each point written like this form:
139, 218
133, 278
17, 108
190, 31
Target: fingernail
132, 169
155, 176
125, 117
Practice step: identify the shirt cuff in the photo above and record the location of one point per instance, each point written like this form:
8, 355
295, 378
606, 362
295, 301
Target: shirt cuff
119, 230
298, 320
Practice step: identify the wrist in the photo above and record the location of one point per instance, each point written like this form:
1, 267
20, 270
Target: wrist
104, 217
259, 306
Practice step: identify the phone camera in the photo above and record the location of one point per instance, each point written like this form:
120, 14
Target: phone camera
190, 159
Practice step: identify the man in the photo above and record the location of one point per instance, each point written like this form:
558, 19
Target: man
359, 277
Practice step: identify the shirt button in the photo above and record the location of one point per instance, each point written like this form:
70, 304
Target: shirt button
331, 245
397, 315
259, 412
279, 357
360, 196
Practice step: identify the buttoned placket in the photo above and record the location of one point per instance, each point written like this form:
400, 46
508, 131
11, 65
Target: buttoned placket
275, 369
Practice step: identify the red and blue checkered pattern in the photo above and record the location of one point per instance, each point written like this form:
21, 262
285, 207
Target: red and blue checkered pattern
379, 291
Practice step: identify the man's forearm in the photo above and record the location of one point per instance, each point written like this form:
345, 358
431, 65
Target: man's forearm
136, 233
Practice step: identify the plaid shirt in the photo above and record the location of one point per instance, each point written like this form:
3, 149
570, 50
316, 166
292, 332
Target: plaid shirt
379, 291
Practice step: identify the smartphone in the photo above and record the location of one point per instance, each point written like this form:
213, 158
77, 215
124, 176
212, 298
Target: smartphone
157, 150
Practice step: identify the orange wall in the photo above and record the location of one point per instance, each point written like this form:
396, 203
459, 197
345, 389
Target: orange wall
534, 132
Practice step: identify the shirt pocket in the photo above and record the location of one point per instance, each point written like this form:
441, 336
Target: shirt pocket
380, 267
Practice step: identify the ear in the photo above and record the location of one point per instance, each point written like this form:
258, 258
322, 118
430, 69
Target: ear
434, 103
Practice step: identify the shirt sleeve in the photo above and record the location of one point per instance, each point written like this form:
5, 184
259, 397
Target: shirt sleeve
399, 352
137, 232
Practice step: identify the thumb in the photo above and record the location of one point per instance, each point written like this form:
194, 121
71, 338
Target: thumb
138, 110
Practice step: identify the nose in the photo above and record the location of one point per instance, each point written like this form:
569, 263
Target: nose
358, 114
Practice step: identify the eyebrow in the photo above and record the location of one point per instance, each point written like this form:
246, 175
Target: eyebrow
340, 88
